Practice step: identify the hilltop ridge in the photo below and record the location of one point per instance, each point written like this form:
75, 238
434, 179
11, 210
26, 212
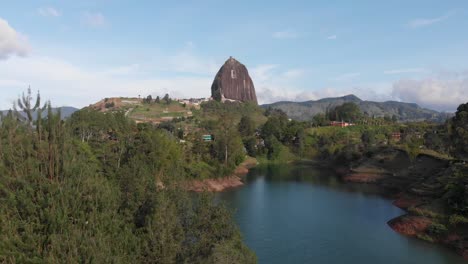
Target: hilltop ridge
402, 111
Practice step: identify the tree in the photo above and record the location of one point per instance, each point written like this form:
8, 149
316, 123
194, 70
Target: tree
108, 189
228, 146
148, 99
368, 138
349, 112
435, 141
246, 126
273, 147
109, 105
180, 133
459, 131
167, 99
157, 100
26, 105
250, 144
320, 119
275, 126
169, 126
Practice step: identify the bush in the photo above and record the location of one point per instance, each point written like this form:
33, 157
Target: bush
425, 237
437, 229
457, 219
109, 105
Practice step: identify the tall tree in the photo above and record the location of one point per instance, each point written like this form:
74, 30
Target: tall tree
246, 126
167, 99
349, 112
25, 103
459, 131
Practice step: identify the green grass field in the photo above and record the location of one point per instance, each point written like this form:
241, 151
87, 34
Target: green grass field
158, 111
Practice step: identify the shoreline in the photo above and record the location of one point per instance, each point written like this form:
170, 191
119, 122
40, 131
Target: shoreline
223, 183
413, 188
418, 219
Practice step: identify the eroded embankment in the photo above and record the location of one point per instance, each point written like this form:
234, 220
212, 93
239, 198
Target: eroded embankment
419, 187
221, 184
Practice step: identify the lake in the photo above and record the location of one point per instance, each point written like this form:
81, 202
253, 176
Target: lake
303, 214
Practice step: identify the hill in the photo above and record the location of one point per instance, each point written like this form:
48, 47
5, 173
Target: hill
403, 111
144, 112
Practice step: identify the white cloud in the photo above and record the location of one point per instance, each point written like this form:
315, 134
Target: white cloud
332, 37
272, 84
49, 12
11, 42
285, 35
271, 94
68, 84
406, 70
424, 22
438, 92
96, 20
264, 72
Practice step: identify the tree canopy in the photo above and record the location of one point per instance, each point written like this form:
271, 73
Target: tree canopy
98, 188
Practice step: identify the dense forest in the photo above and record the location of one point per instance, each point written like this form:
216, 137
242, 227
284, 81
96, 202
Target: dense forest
99, 188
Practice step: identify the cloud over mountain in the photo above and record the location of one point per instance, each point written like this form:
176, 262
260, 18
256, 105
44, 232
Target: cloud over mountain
442, 93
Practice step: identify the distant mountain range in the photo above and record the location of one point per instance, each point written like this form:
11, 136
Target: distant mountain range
304, 111
66, 112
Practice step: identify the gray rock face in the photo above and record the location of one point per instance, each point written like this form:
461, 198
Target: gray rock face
232, 82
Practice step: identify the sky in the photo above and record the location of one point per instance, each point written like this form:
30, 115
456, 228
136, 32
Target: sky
78, 52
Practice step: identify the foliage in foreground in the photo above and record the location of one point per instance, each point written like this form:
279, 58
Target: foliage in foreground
98, 189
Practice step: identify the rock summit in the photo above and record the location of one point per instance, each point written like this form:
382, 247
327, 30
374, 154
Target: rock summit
233, 83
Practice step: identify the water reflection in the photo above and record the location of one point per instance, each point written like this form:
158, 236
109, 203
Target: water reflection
311, 174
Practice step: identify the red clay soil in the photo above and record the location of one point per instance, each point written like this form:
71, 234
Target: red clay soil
410, 225
101, 105
361, 177
405, 202
215, 185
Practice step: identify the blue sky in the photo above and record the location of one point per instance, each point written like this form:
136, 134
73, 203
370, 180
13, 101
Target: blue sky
77, 52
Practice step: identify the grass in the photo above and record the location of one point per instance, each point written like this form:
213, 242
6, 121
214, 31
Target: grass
426, 213
155, 111
457, 219
425, 237
435, 154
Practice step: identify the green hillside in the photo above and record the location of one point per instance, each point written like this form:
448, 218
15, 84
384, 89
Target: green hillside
304, 111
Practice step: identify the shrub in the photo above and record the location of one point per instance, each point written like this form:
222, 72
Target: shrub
437, 229
457, 219
109, 105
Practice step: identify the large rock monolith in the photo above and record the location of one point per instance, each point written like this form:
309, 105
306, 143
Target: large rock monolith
233, 83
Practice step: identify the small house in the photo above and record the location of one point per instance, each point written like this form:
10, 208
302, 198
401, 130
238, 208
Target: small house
207, 138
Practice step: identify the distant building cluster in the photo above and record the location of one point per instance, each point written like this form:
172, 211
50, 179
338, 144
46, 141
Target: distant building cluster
194, 101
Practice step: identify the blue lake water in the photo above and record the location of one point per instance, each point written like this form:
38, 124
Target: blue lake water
302, 214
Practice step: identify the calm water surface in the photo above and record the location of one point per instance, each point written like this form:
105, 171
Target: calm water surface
302, 214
